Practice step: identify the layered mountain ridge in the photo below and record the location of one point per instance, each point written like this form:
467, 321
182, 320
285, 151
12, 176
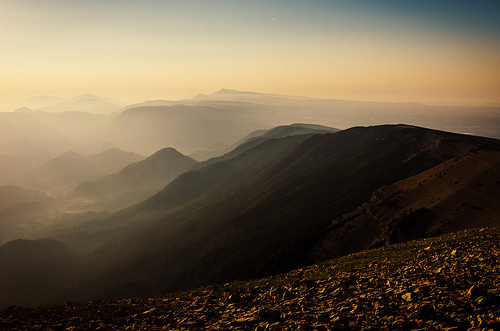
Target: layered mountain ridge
288, 201
71, 168
138, 180
264, 210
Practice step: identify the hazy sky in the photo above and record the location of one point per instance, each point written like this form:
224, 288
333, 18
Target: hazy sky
426, 51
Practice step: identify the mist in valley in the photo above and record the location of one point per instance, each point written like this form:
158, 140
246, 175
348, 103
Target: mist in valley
127, 170
86, 179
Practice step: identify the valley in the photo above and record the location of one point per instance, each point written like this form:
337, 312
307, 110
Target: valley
249, 165
127, 223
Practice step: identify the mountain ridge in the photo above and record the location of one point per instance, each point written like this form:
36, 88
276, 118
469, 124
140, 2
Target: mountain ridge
268, 209
442, 199
137, 181
71, 168
257, 137
253, 218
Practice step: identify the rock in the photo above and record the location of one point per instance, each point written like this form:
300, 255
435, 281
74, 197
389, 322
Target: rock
474, 291
400, 292
407, 296
234, 298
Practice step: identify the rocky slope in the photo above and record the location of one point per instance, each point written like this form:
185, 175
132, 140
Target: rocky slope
451, 196
449, 282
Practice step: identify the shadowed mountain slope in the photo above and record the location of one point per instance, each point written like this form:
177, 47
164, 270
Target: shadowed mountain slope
136, 181
454, 195
270, 209
262, 211
33, 272
257, 137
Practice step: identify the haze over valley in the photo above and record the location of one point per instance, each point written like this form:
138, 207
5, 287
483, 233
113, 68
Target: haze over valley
166, 221
267, 164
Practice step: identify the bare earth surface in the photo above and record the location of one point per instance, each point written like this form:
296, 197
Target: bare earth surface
444, 283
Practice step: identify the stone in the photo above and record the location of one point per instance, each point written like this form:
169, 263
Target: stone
407, 296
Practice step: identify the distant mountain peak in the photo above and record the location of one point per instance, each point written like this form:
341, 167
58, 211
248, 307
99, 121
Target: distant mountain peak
87, 95
166, 151
229, 91
85, 103
23, 110
34, 245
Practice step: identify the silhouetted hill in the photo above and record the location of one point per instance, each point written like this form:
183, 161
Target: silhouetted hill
85, 103
152, 103
264, 210
136, 181
71, 168
270, 208
188, 127
249, 96
257, 137
199, 123
483, 121
33, 272
40, 101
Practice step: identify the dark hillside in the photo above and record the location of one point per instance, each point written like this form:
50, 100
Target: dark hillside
258, 137
161, 247
264, 210
454, 195
284, 204
33, 271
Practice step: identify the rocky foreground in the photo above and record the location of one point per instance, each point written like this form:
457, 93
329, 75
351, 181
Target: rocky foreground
450, 282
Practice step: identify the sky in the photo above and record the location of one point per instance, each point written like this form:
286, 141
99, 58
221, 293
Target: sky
435, 52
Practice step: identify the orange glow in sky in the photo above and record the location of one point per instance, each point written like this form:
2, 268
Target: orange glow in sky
133, 51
